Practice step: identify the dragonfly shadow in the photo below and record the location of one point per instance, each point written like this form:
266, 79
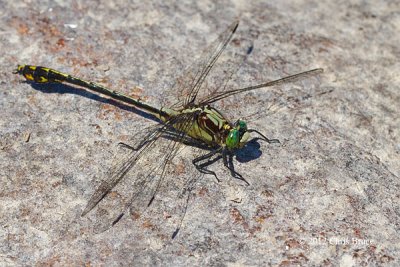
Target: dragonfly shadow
59, 88
249, 152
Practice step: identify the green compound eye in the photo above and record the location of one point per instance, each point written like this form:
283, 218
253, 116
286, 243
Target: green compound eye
242, 126
233, 138
238, 136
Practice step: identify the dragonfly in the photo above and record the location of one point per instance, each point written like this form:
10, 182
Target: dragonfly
191, 120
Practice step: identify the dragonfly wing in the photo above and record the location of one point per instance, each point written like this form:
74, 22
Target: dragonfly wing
190, 82
149, 172
225, 71
122, 167
292, 78
169, 195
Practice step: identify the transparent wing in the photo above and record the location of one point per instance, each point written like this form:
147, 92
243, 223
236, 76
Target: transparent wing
189, 84
148, 171
122, 167
225, 71
292, 78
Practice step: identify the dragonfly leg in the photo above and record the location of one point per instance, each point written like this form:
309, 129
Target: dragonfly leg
228, 163
186, 140
138, 147
263, 137
201, 167
128, 146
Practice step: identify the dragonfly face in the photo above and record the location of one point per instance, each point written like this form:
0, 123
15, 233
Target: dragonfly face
238, 136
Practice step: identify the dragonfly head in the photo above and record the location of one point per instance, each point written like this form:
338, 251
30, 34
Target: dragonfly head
237, 136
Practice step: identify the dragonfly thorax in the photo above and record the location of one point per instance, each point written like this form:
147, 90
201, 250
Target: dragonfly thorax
211, 127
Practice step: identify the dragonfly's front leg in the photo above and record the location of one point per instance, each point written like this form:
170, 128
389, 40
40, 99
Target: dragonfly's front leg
263, 137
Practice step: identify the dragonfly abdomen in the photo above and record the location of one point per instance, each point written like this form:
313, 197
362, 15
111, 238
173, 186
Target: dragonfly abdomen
46, 75
40, 74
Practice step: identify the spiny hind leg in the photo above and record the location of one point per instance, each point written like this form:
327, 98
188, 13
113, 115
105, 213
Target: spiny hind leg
228, 163
143, 137
124, 145
202, 167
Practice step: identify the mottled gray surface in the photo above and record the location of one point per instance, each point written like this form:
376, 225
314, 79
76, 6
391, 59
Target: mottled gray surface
329, 195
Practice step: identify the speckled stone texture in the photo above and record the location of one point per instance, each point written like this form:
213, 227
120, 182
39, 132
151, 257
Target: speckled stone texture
327, 196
